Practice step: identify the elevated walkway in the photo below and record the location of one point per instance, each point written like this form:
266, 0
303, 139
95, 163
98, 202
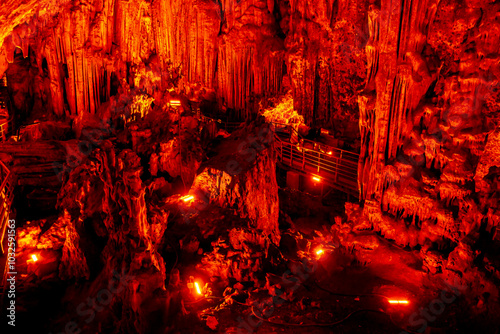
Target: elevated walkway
330, 165
326, 164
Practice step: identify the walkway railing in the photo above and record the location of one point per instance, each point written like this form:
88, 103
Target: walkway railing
228, 126
6, 195
26, 129
333, 166
336, 167
5, 129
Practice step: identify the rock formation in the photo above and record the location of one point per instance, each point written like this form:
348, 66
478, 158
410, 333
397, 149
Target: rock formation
121, 114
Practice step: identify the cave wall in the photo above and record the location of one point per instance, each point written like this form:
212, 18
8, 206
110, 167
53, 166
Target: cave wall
422, 77
428, 171
242, 49
325, 58
215, 45
427, 112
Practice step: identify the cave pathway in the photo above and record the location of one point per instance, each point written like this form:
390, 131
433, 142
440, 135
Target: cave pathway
326, 164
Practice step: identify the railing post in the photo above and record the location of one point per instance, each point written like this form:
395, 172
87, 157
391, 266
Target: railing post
319, 160
280, 150
303, 159
337, 169
338, 163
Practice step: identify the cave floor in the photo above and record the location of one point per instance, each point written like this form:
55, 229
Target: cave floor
342, 293
351, 293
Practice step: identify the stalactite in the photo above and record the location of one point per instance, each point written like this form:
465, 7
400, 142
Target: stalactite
397, 36
325, 59
89, 37
253, 75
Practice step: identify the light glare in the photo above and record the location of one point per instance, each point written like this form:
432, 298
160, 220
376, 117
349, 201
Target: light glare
187, 198
398, 301
197, 286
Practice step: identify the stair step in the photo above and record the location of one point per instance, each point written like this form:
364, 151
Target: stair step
48, 181
29, 168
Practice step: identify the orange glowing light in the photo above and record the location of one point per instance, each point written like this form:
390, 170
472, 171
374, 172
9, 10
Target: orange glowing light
187, 198
398, 301
34, 258
197, 286
330, 153
317, 179
319, 252
175, 103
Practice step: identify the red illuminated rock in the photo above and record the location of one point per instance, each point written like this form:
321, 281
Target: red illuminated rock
88, 192
419, 79
325, 59
241, 177
426, 112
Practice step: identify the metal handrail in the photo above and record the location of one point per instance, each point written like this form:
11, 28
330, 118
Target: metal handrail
329, 148
326, 159
6, 193
4, 129
25, 127
334, 165
326, 162
226, 125
341, 165
3, 169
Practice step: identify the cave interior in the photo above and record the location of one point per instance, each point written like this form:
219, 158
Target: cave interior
250, 166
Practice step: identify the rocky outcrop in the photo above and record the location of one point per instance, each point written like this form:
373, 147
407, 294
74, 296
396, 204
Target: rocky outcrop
182, 156
105, 195
242, 177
